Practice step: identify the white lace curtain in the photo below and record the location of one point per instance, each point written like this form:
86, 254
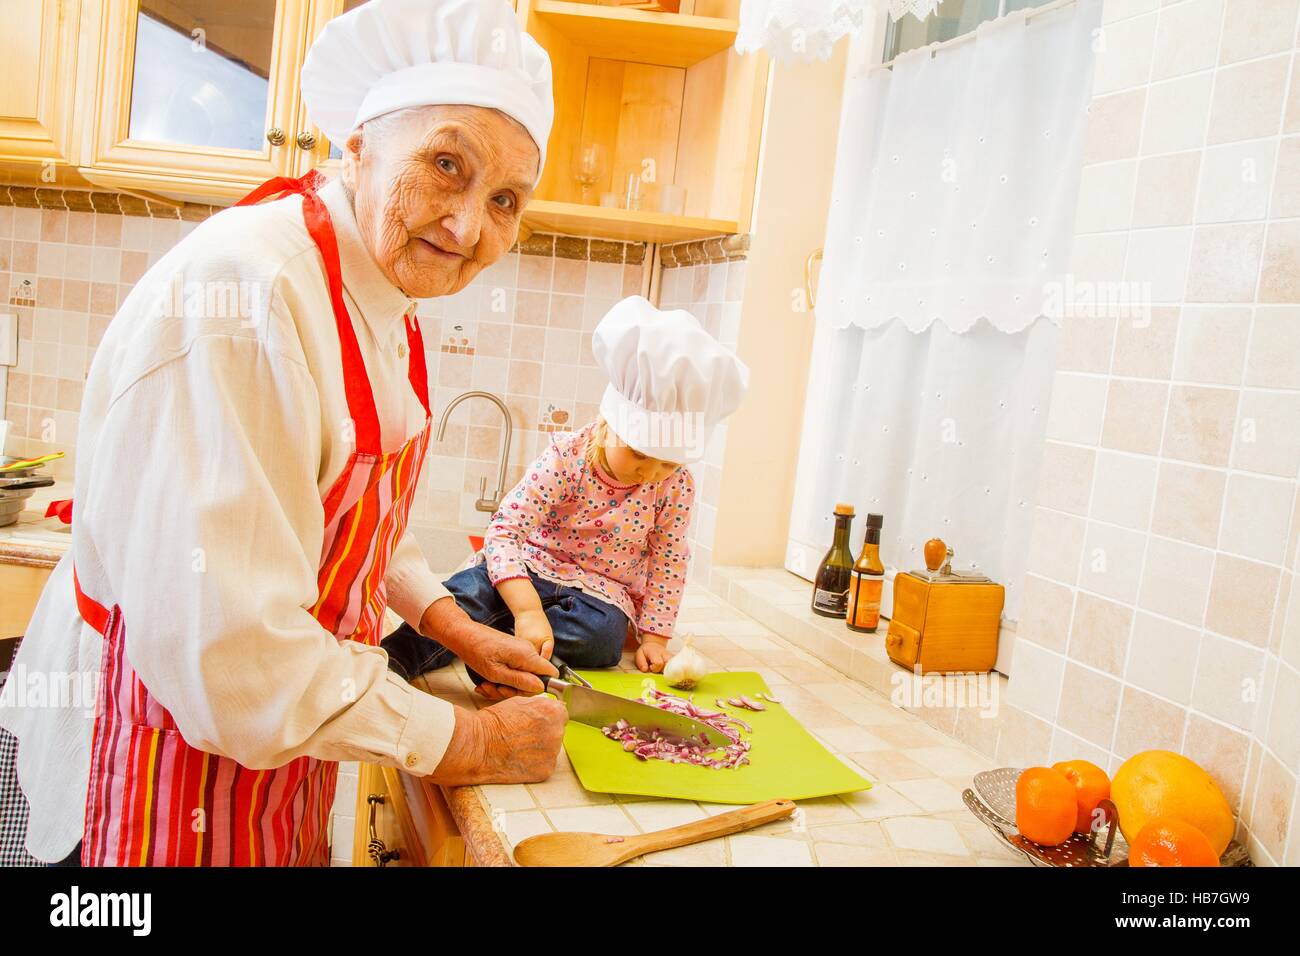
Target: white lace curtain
954, 190
805, 30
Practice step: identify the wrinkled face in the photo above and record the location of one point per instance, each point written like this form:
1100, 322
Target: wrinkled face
438, 192
629, 467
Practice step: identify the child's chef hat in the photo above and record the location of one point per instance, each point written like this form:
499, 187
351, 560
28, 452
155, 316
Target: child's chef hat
387, 55
670, 382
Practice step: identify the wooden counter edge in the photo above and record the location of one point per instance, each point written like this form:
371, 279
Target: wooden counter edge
482, 841
29, 555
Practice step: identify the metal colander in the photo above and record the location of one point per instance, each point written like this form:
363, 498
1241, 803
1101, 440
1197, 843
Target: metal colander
993, 800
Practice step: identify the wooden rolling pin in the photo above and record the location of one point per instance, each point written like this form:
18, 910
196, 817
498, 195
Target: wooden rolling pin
602, 849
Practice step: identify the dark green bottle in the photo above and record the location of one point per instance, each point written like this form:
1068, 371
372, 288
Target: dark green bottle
831, 586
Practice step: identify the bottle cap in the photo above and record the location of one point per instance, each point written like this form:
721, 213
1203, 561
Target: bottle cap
844, 509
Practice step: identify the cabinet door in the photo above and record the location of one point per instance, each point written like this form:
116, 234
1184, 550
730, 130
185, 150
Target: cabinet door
38, 65
315, 150
198, 97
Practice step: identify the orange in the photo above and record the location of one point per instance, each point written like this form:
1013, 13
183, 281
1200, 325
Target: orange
1091, 786
1160, 783
1168, 842
1046, 806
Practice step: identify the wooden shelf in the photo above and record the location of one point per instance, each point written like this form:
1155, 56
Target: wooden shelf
576, 219
638, 36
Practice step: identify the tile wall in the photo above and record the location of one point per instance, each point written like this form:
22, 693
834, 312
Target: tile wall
1159, 608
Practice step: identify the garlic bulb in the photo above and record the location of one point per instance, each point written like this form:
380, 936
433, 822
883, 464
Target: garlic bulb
685, 668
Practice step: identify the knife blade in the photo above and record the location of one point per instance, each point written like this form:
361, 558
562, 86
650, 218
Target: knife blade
597, 709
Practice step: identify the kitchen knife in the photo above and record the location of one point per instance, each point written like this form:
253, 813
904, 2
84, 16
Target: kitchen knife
597, 709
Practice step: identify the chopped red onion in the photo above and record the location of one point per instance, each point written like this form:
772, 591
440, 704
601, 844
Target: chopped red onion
769, 698
653, 746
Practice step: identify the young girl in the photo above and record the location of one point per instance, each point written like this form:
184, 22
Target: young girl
591, 543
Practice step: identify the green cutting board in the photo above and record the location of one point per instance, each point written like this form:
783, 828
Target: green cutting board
785, 760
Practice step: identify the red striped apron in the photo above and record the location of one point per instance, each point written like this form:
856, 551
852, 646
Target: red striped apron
156, 801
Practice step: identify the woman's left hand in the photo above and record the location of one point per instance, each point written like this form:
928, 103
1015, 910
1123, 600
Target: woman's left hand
653, 654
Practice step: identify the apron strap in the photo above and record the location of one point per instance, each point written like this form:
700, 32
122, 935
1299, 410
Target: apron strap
356, 381
92, 612
417, 370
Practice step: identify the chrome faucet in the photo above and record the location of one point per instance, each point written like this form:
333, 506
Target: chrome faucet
485, 503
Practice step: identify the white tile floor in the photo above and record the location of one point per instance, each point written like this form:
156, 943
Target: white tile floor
913, 815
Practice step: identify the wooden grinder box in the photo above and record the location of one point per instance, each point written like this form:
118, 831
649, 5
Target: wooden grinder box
944, 622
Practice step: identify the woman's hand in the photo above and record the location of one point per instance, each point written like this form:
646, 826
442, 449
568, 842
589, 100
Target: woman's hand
534, 627
653, 653
508, 665
515, 741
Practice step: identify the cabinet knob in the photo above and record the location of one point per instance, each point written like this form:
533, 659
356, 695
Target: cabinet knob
275, 136
306, 141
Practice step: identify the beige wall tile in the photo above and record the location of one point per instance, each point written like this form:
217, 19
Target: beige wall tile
1187, 38
1212, 344
1159, 259
1065, 481
1045, 613
1113, 10
1284, 717
1025, 740
1286, 184
1135, 414
1254, 28
1162, 657
1248, 100
1268, 433
1123, 489
1126, 60
1255, 517
1112, 561
1189, 503
1241, 598
1228, 679
1291, 119
1166, 190
1200, 424
1147, 723
1066, 746
1235, 181
1222, 752
1175, 580
1178, 113
1145, 349
1035, 684
1075, 413
1099, 634
1279, 277
1105, 201
1089, 704
1270, 818
1114, 126
1086, 343
1225, 263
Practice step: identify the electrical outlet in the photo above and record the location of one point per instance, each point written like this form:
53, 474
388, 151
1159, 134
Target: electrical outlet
8, 338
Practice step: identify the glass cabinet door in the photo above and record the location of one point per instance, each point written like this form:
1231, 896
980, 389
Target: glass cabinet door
205, 91
325, 154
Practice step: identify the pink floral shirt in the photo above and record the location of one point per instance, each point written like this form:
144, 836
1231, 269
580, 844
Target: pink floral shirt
575, 525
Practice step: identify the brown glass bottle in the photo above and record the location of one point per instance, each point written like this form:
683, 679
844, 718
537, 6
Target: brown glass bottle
867, 581
831, 585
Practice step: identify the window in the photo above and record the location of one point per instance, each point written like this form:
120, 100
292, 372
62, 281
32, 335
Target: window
951, 19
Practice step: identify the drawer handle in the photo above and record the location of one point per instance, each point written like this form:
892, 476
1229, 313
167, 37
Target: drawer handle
375, 847
306, 141
275, 136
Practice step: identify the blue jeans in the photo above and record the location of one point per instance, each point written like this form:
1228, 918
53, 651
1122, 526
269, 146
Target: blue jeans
588, 632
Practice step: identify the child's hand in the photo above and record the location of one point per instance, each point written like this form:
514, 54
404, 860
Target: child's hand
532, 625
653, 654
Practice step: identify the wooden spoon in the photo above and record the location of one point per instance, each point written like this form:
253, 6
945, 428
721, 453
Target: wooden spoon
600, 849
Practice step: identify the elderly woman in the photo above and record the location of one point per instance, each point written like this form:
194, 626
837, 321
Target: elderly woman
243, 480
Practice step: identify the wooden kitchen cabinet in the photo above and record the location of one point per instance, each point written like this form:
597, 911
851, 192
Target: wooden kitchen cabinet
197, 99
411, 818
38, 86
20, 588
668, 98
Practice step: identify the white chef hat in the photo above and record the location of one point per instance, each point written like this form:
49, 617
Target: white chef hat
388, 55
670, 382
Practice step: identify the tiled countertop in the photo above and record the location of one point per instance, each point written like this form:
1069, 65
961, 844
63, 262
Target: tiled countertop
912, 816
35, 539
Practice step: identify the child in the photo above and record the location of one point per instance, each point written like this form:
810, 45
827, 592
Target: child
592, 541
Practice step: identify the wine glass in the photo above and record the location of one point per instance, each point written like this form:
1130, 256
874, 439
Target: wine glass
589, 165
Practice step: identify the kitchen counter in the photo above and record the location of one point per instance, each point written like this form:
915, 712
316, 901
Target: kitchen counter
913, 815
35, 540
